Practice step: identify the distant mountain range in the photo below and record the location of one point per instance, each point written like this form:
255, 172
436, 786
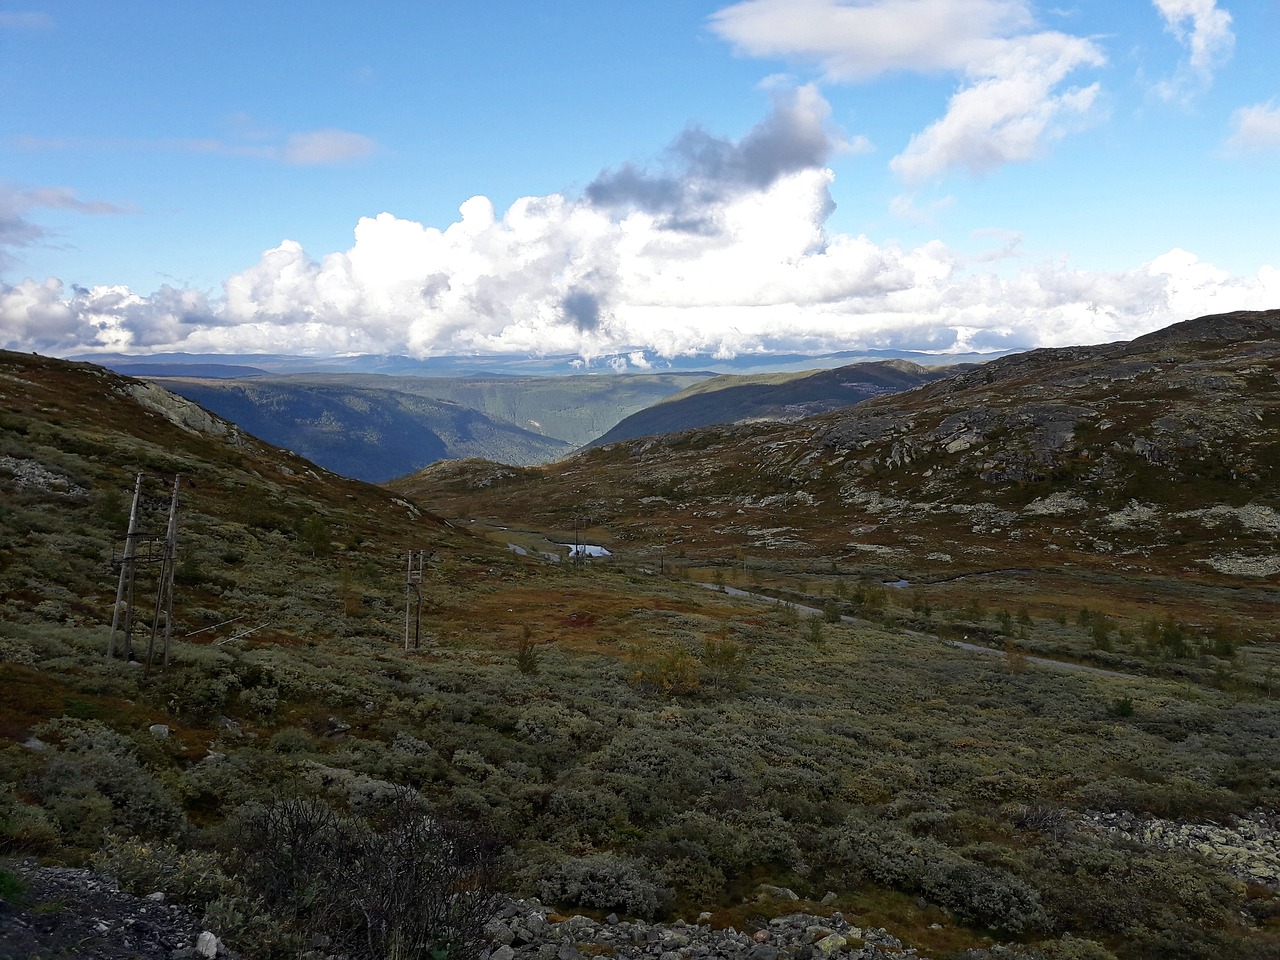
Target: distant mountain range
366, 434
495, 365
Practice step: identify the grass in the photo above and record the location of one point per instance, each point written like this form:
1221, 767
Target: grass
12, 889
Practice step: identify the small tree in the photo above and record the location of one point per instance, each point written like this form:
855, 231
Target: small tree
527, 656
1015, 660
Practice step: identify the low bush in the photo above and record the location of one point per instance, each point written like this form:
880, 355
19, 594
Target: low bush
607, 881
396, 882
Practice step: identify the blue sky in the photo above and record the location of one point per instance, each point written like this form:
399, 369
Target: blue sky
632, 180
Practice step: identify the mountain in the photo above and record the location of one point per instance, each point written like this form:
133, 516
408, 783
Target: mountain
366, 434
730, 398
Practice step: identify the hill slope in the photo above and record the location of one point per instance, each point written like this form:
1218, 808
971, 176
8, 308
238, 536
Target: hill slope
729, 398
641, 744
1152, 459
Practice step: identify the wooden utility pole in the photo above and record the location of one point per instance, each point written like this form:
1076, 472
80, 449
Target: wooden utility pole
124, 591
164, 589
413, 601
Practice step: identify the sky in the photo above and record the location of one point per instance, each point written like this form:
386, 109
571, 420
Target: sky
628, 182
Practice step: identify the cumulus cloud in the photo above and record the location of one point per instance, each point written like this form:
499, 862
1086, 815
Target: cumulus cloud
1012, 101
1205, 31
559, 275
1008, 113
1255, 127
614, 280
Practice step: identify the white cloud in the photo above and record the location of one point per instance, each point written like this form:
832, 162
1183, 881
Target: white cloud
1011, 104
1203, 28
1255, 127
1008, 112
25, 20
854, 41
327, 147
770, 280
17, 229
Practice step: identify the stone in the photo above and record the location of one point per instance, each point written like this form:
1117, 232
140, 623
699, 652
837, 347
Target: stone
779, 893
831, 944
207, 945
159, 730
504, 952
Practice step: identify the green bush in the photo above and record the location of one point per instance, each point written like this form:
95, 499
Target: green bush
95, 781
607, 881
192, 877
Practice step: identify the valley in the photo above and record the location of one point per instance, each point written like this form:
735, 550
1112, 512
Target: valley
653, 733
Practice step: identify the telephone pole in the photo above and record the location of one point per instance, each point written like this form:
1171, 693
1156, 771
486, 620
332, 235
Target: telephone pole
124, 591
413, 600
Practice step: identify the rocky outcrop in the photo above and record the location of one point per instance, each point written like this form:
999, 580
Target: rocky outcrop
527, 929
180, 411
1249, 848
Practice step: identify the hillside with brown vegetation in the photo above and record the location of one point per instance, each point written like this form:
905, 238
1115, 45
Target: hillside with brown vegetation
635, 742
1141, 477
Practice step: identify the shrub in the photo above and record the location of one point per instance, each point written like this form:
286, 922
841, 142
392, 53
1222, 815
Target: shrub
672, 671
528, 658
974, 892
190, 876
608, 881
96, 781
395, 883
22, 826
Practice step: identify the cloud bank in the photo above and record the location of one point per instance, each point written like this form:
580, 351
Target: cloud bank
720, 247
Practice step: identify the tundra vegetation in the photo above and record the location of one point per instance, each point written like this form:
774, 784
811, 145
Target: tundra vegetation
633, 741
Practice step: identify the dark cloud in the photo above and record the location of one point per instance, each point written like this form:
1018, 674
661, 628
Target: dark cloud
582, 309
628, 186
701, 169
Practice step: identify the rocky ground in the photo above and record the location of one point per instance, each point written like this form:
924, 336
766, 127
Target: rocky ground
72, 913
526, 929
64, 912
